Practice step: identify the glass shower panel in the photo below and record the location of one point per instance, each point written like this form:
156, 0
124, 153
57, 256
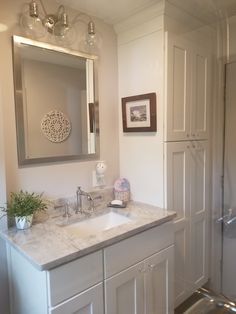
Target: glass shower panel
229, 225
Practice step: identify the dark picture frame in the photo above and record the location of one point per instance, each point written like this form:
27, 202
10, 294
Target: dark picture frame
139, 113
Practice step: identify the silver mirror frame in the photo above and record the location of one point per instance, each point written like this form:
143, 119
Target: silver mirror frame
19, 105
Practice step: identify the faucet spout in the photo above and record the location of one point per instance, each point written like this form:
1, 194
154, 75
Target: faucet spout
79, 202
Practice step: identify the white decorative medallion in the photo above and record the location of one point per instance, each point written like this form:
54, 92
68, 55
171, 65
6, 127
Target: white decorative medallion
56, 126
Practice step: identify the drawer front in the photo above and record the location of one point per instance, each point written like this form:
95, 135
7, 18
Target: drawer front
72, 278
89, 302
128, 252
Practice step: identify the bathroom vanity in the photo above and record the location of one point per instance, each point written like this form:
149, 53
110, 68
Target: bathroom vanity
127, 269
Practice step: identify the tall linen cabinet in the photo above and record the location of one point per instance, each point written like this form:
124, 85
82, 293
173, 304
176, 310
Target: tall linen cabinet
186, 155
171, 167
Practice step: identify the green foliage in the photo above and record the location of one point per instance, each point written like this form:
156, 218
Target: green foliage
24, 204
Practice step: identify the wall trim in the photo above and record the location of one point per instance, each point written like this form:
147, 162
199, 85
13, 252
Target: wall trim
141, 17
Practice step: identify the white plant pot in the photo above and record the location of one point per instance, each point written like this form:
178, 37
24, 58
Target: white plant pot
24, 222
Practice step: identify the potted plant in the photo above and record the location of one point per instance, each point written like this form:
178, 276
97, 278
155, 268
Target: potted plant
22, 206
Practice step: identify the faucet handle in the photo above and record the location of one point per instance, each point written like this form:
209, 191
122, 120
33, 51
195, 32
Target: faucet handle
67, 213
59, 203
63, 203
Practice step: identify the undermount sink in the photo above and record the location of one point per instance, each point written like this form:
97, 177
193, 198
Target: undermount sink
92, 226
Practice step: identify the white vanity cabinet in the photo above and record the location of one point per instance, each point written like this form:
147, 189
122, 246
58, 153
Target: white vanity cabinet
147, 285
133, 276
73, 288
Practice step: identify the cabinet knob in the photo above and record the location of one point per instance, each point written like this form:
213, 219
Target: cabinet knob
193, 134
152, 267
187, 135
142, 269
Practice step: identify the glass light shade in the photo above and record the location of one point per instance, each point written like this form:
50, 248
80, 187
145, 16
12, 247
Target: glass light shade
32, 25
64, 36
91, 40
60, 29
88, 47
90, 43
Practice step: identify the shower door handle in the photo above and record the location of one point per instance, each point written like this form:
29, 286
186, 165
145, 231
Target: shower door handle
228, 222
228, 218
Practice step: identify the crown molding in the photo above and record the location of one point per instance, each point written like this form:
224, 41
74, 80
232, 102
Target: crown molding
141, 17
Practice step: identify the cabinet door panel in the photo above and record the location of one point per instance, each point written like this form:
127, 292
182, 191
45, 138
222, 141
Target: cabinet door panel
177, 168
178, 90
88, 302
201, 94
188, 90
159, 282
199, 266
199, 213
124, 292
182, 282
177, 163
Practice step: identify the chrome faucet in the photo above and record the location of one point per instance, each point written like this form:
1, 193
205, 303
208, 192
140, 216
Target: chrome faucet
79, 201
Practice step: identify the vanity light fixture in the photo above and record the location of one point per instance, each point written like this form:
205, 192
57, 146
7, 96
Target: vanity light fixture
36, 22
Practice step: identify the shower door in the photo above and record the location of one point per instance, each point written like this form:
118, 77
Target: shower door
229, 225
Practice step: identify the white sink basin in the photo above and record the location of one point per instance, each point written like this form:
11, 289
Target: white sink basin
92, 226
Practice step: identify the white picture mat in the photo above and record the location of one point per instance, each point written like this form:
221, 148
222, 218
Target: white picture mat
133, 106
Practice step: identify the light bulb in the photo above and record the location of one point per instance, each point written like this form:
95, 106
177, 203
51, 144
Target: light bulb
89, 44
91, 35
31, 22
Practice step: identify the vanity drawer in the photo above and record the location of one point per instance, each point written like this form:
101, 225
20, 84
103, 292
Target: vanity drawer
88, 301
128, 252
74, 277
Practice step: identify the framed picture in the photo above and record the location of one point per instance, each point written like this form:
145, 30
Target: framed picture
139, 113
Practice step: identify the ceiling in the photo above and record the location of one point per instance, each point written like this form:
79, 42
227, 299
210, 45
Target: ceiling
113, 11
207, 10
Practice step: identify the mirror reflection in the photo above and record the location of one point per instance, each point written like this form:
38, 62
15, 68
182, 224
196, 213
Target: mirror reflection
56, 107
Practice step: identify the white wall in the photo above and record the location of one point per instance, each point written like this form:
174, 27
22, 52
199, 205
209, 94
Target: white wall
54, 179
63, 178
141, 66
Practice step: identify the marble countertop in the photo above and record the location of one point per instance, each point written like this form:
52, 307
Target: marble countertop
47, 244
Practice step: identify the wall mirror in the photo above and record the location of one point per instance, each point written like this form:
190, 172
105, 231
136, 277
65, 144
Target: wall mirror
56, 103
